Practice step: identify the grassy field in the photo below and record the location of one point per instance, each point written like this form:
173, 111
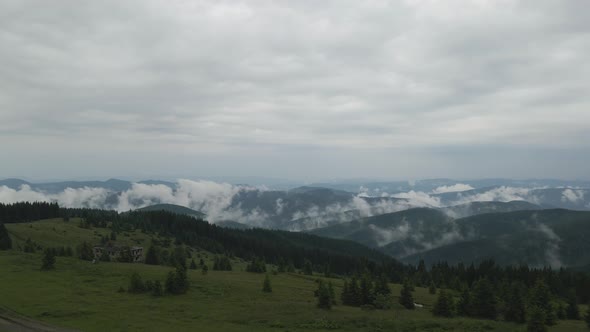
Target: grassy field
81, 295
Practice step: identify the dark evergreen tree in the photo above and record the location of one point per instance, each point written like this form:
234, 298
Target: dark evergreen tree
136, 284
355, 293
444, 305
257, 265
432, 288
266, 287
85, 251
157, 290
541, 298
345, 295
367, 294
5, 241
323, 293
48, 262
332, 293
382, 285
307, 267
406, 299
515, 310
536, 322
151, 256
204, 269
483, 301
222, 263
572, 311
193, 265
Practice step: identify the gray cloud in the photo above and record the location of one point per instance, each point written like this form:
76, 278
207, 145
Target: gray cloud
230, 80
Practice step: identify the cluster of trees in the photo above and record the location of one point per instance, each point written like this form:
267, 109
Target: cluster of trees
5, 240
25, 211
366, 290
325, 294
176, 283
257, 265
222, 263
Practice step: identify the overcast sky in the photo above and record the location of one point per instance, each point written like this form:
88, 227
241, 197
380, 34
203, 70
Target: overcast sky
300, 89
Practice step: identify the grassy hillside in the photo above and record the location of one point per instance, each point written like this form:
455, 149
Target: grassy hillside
84, 296
57, 233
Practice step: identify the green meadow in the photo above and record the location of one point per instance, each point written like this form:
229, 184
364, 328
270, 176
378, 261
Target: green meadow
84, 296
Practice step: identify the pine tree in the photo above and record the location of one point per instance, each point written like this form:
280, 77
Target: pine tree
515, 305
204, 269
48, 260
85, 251
484, 301
406, 299
345, 296
536, 321
541, 298
5, 241
136, 284
157, 290
367, 296
332, 293
324, 300
193, 265
382, 285
464, 304
572, 311
432, 288
307, 267
444, 305
266, 287
151, 256
355, 294
105, 257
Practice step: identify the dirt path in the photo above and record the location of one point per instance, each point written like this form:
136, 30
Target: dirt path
12, 322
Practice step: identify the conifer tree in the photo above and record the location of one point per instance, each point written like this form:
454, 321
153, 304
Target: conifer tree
204, 269
157, 290
515, 305
541, 298
136, 284
5, 241
354, 292
345, 296
432, 288
151, 256
463, 306
48, 260
85, 251
406, 299
382, 285
266, 287
105, 257
444, 305
536, 321
484, 301
572, 311
307, 267
193, 265
324, 300
367, 295
332, 293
